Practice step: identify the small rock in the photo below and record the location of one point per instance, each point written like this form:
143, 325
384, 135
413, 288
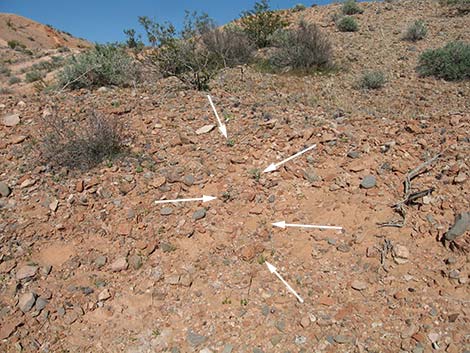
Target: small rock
354, 154
166, 211
195, 339
26, 272
368, 182
4, 190
173, 279
46, 269
100, 261
205, 350
79, 186
461, 225
359, 285
199, 214
460, 178
400, 254
26, 302
167, 247
454, 274
205, 129
341, 339
135, 261
40, 304
305, 322
159, 182
7, 266
228, 348
343, 248
433, 337
300, 340
119, 264
124, 229
11, 120
54, 205
188, 180
27, 183
104, 295
70, 318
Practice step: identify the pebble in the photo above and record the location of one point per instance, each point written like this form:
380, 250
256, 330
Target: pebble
119, 264
166, 211
188, 180
199, 214
368, 182
40, 303
228, 348
135, 261
400, 254
205, 350
4, 189
205, 129
195, 339
359, 285
300, 340
11, 120
100, 261
354, 154
26, 302
461, 224
104, 295
305, 322
341, 339
26, 272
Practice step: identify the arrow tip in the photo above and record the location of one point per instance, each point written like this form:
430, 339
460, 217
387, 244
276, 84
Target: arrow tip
223, 130
271, 268
271, 168
281, 224
208, 198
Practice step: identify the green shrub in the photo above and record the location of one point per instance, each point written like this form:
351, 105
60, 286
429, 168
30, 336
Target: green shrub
14, 44
33, 76
455, 2
416, 31
302, 48
5, 71
14, 80
261, 22
79, 144
372, 80
347, 24
350, 7
103, 65
299, 8
451, 62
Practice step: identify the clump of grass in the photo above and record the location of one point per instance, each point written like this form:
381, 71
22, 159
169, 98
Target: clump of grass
372, 80
347, 24
350, 7
14, 80
80, 144
33, 76
451, 62
416, 31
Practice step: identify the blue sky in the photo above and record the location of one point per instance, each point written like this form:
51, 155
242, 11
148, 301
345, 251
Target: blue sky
104, 20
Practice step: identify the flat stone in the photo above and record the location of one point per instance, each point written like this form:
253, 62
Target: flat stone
368, 182
124, 229
205, 129
40, 304
100, 261
188, 180
195, 339
119, 264
166, 211
26, 302
199, 214
104, 295
135, 261
54, 205
460, 226
359, 285
166, 247
27, 183
341, 339
205, 350
400, 254
354, 154
7, 266
11, 120
26, 272
5, 190
228, 348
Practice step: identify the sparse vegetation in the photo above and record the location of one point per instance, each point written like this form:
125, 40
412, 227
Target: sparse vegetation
14, 80
33, 76
303, 48
350, 7
299, 8
80, 144
347, 24
5, 71
451, 62
14, 44
132, 41
103, 65
416, 31
261, 22
372, 80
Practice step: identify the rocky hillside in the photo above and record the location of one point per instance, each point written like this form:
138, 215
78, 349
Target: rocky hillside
90, 263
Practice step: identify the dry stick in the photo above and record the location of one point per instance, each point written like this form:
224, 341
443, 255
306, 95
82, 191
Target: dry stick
410, 197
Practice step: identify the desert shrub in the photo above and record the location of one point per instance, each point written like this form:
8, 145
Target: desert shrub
347, 24
461, 7
5, 90
416, 31
33, 76
229, 46
132, 41
261, 22
14, 80
302, 48
5, 71
14, 44
451, 62
299, 8
350, 7
63, 49
80, 144
455, 2
372, 80
103, 65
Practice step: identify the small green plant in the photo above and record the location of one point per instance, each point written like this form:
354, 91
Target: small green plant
139, 169
14, 44
347, 24
299, 8
156, 332
14, 80
350, 7
261, 259
261, 22
230, 143
451, 62
416, 31
226, 301
33, 76
244, 302
105, 64
255, 174
303, 48
372, 80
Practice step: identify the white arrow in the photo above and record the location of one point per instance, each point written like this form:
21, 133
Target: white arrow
283, 225
274, 166
203, 199
222, 127
273, 269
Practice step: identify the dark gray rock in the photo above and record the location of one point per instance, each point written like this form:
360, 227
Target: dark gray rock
188, 180
199, 214
195, 339
40, 304
354, 154
166, 211
461, 225
26, 302
368, 182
